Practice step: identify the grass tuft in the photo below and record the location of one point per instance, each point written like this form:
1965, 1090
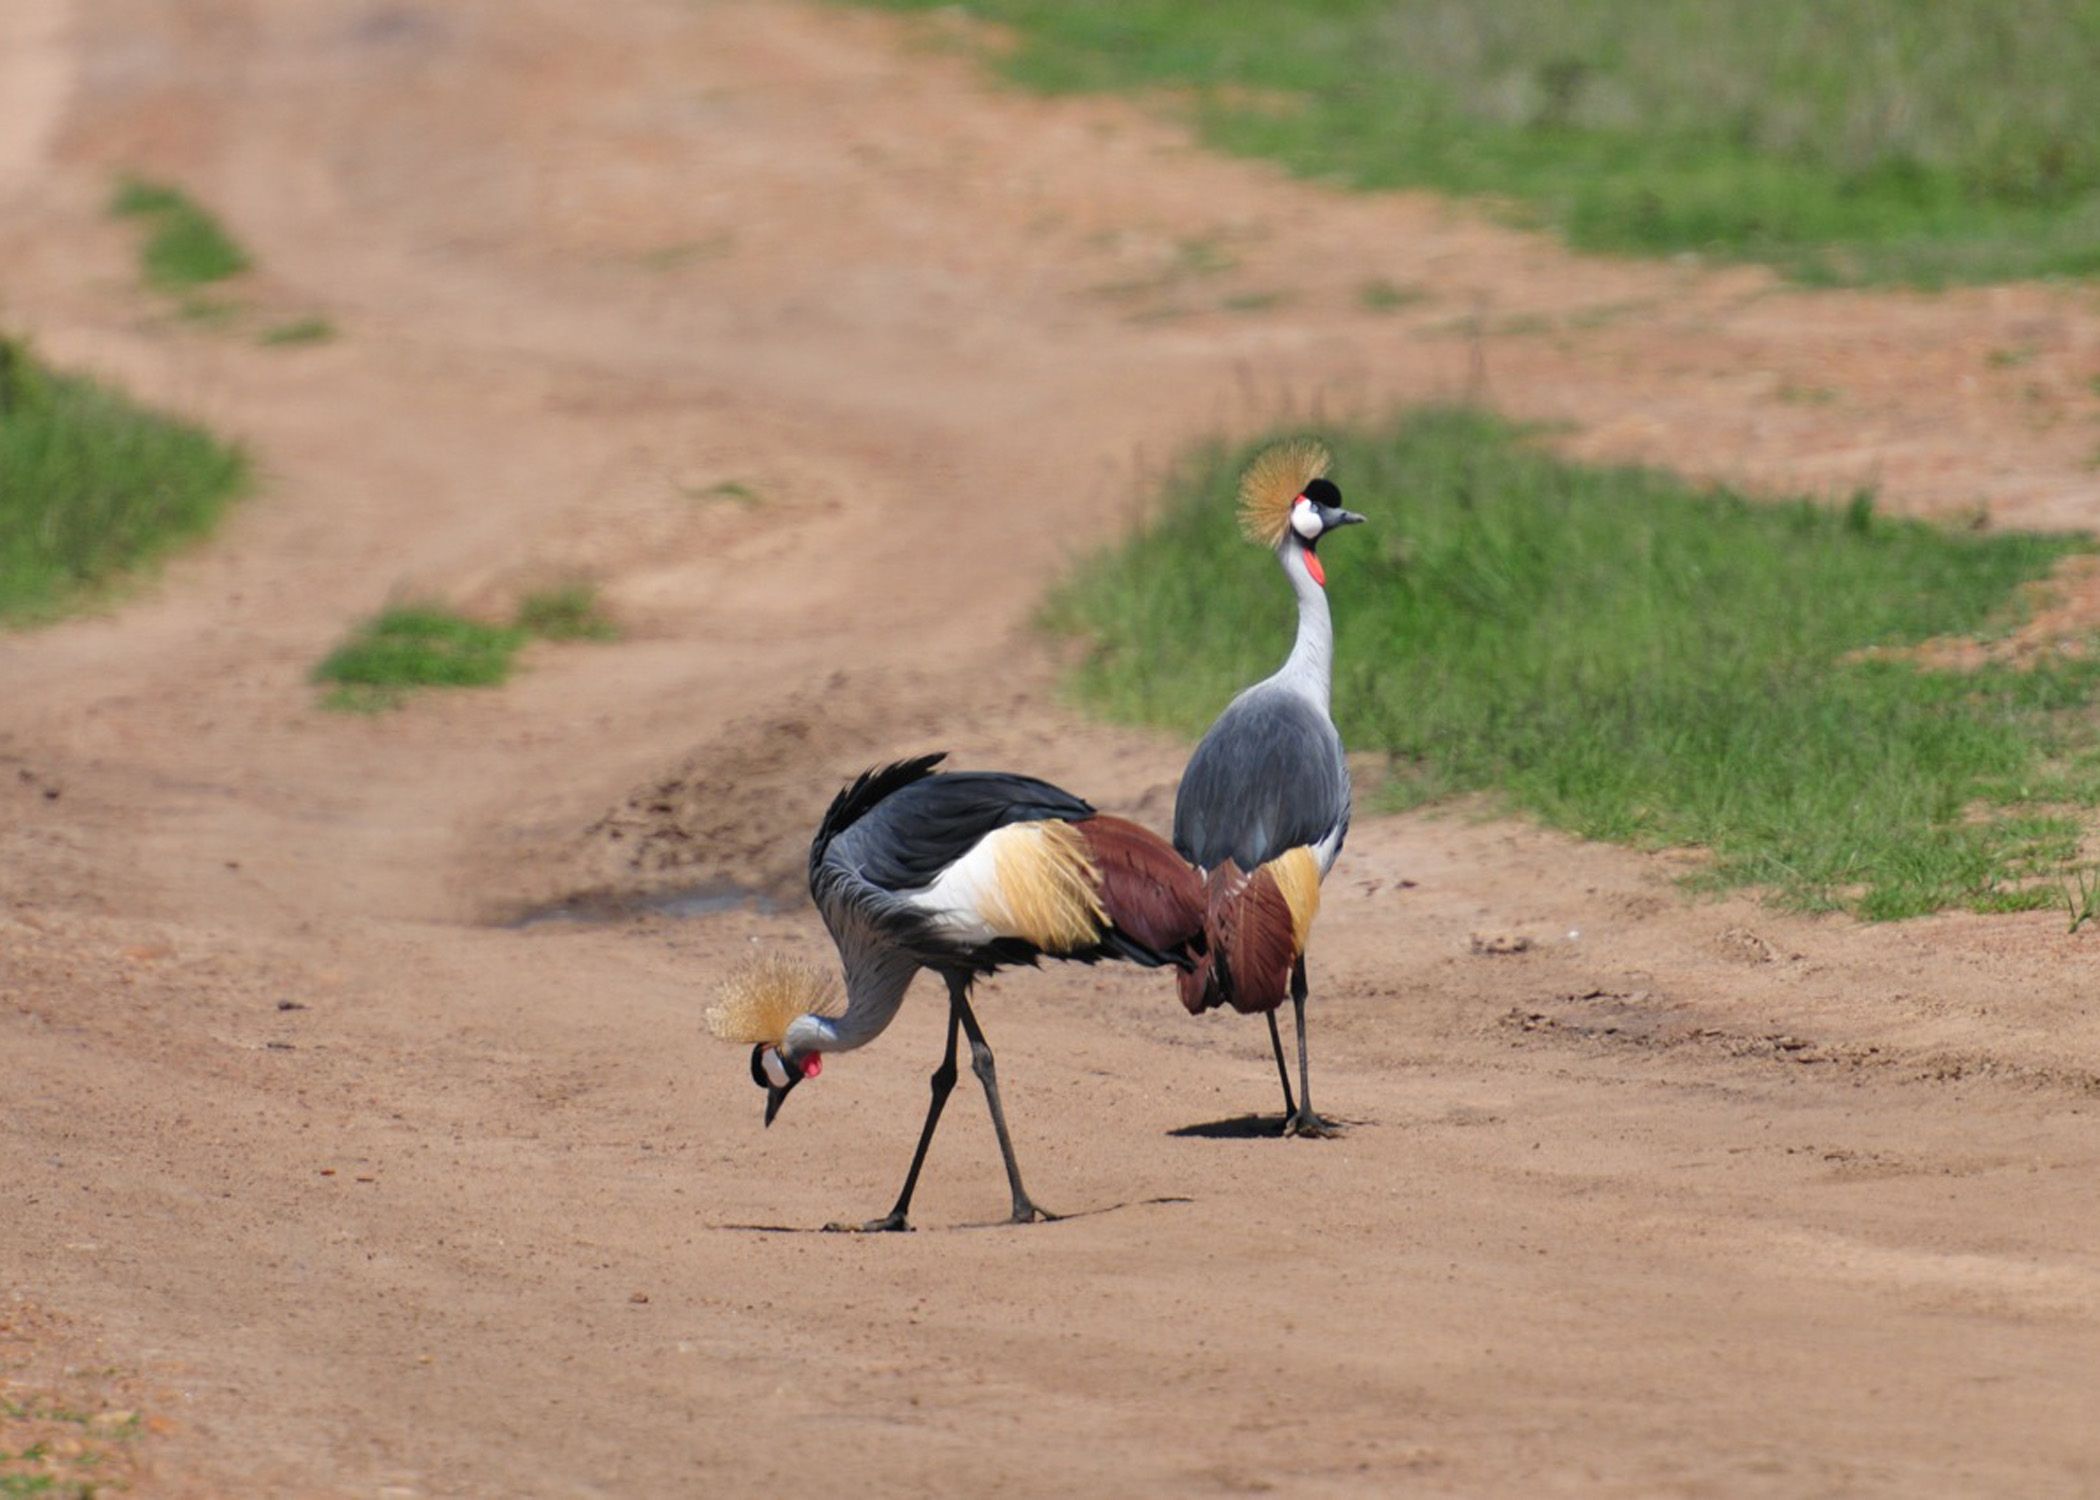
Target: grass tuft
425, 645
1633, 659
567, 613
92, 485
185, 247
312, 330
1923, 144
410, 646
2080, 889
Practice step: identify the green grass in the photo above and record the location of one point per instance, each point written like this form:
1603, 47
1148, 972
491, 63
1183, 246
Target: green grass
59, 1453
408, 646
1941, 141
297, 331
93, 486
1632, 659
569, 612
185, 247
426, 645
188, 255
1382, 296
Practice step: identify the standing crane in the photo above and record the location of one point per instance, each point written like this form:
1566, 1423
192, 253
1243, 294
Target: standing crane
962, 873
1264, 804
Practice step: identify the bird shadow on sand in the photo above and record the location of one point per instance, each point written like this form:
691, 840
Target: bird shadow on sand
846, 1231
1248, 1128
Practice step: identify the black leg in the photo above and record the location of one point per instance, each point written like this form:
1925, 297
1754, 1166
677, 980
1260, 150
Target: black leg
1303, 1121
943, 1084
1283, 1071
1025, 1211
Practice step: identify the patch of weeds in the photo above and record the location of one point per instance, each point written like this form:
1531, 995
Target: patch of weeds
1205, 256
410, 646
687, 253
2081, 895
93, 486
728, 489
1526, 325
2013, 358
425, 645
567, 613
1605, 314
1192, 259
1255, 301
55, 1452
1381, 296
297, 331
185, 246
1806, 395
188, 255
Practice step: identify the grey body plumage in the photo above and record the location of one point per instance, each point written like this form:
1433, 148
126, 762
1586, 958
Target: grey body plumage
1269, 777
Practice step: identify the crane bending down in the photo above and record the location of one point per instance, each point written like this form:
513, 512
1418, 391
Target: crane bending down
962, 873
1264, 804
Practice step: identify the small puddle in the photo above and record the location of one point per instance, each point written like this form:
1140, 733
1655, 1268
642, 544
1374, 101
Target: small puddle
702, 900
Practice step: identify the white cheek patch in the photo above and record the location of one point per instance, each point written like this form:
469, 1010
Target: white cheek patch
1304, 519
776, 1068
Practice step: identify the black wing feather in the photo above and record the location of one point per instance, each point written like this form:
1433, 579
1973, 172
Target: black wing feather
926, 826
855, 800
900, 825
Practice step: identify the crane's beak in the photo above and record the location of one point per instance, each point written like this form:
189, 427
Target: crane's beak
777, 1075
1333, 516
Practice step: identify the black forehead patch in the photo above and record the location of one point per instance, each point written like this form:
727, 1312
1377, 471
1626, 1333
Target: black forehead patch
1323, 492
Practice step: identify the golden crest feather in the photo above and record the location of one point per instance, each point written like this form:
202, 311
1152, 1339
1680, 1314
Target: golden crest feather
762, 997
1272, 483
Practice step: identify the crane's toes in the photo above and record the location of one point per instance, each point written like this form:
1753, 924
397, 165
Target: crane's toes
1028, 1213
1306, 1123
887, 1224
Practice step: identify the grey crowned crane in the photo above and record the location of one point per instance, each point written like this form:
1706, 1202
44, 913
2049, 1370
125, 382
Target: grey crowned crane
1264, 804
962, 873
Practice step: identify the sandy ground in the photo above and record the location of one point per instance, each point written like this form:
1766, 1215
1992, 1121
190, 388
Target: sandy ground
821, 355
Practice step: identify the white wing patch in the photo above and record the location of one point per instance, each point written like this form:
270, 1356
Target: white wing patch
963, 900
1032, 881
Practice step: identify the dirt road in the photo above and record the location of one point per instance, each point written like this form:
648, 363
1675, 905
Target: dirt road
821, 356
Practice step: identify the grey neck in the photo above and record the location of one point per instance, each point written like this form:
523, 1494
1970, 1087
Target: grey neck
877, 977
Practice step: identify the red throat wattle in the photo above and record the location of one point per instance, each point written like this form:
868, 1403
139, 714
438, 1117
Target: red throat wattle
812, 1065
1312, 566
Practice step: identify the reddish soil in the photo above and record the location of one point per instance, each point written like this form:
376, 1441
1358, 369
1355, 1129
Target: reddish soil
821, 355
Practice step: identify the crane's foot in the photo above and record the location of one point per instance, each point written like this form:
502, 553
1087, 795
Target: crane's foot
1305, 1123
892, 1223
1026, 1212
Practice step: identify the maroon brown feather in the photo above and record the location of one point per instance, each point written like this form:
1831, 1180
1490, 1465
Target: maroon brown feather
1252, 940
1199, 986
1147, 889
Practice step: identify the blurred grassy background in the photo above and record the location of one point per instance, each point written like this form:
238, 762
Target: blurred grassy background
1923, 143
1631, 658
